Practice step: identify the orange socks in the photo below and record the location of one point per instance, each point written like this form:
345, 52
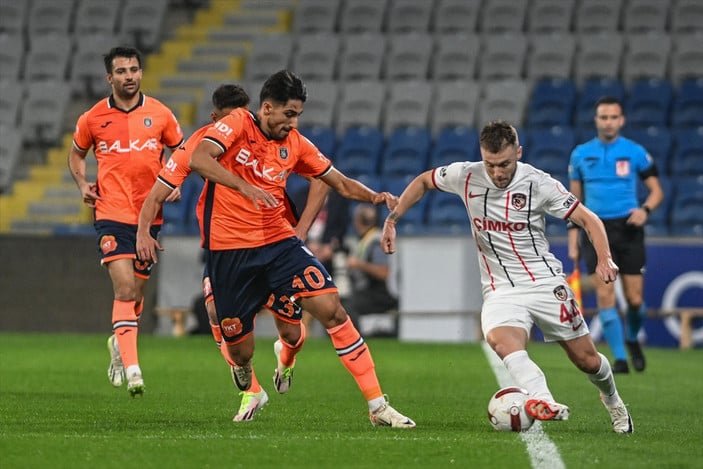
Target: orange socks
356, 358
288, 352
125, 327
216, 333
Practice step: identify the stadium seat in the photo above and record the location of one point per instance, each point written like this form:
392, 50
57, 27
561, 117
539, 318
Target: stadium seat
687, 157
408, 16
598, 56
269, 54
96, 16
686, 57
363, 16
13, 17
324, 139
359, 151
687, 108
408, 105
549, 149
686, 16
550, 56
656, 140
142, 22
446, 212
453, 145
316, 16
321, 103
362, 56
646, 56
12, 52
48, 58
10, 152
361, 105
504, 99
649, 102
499, 16
407, 152
502, 56
408, 57
456, 57
686, 213
455, 104
552, 103
590, 92
597, 15
315, 56
44, 112
550, 16
50, 16
645, 15
11, 97
456, 16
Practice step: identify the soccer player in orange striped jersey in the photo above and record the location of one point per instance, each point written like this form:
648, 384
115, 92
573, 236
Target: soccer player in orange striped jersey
128, 132
225, 99
253, 251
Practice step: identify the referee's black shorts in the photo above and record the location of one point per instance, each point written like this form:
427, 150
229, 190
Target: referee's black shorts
626, 247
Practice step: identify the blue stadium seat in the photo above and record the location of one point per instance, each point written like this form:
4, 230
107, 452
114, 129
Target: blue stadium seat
656, 140
687, 108
455, 144
648, 103
359, 152
687, 157
592, 91
324, 139
686, 213
446, 212
549, 149
552, 103
407, 152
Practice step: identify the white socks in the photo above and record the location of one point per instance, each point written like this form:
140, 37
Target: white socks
528, 375
604, 381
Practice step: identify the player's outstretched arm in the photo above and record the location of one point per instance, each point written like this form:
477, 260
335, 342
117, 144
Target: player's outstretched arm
606, 269
410, 196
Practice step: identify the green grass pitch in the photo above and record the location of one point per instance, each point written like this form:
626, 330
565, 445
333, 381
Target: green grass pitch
58, 410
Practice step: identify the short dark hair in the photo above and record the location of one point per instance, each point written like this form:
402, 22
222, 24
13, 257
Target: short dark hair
497, 135
283, 86
230, 96
121, 51
608, 100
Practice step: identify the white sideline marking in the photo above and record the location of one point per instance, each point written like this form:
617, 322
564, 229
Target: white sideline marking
543, 453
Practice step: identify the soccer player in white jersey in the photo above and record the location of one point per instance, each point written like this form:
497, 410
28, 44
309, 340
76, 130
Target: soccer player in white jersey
523, 283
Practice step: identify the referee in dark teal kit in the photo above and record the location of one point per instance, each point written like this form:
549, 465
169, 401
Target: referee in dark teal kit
603, 173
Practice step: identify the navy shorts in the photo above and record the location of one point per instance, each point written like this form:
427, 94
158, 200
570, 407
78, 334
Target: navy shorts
626, 246
275, 305
119, 241
274, 276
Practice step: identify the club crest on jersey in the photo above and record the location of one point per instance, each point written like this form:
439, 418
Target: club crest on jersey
518, 201
622, 168
560, 293
283, 153
147, 122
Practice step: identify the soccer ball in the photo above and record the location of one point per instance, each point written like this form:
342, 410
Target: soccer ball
506, 410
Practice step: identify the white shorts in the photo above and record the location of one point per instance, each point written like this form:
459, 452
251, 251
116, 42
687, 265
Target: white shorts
549, 305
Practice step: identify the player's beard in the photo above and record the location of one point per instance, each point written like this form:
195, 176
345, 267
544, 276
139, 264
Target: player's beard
127, 94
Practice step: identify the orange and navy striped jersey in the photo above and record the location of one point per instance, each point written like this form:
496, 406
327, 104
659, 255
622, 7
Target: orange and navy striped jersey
230, 220
129, 148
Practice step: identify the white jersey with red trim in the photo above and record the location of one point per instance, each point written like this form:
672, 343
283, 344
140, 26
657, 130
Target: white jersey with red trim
508, 224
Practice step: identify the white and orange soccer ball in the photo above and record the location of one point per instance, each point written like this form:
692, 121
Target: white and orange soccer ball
506, 410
